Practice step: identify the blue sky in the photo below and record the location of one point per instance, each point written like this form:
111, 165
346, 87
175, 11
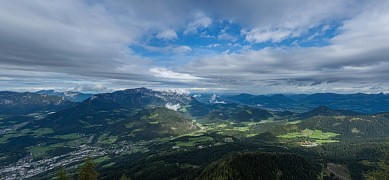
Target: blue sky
226, 37
261, 47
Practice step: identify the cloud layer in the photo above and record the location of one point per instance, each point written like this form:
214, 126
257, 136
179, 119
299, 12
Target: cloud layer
238, 46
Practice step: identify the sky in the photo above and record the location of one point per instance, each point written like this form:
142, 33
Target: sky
253, 46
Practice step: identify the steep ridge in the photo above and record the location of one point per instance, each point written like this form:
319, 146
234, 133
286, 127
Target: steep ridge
24, 103
252, 166
326, 111
121, 112
363, 103
68, 95
347, 123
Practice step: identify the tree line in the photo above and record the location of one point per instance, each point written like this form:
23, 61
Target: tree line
87, 171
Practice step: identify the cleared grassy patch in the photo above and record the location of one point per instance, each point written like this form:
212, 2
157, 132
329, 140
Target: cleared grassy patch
4, 138
193, 141
154, 122
68, 136
106, 139
77, 142
108, 165
102, 159
310, 138
251, 135
314, 134
129, 125
242, 129
26, 132
221, 125
155, 115
270, 120
323, 141
184, 108
39, 151
43, 131
252, 123
294, 122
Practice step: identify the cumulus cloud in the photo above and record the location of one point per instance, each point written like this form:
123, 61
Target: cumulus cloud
226, 36
258, 36
181, 49
167, 34
170, 49
200, 21
168, 74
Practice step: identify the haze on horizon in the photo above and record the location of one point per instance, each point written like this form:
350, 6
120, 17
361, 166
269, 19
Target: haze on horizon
295, 46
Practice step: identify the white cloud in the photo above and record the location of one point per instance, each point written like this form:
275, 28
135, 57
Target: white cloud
200, 21
213, 45
259, 36
167, 35
181, 49
180, 91
168, 74
226, 36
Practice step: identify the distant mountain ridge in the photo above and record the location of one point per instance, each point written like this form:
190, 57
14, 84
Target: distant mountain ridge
141, 110
363, 103
139, 97
326, 111
348, 123
237, 113
68, 95
24, 103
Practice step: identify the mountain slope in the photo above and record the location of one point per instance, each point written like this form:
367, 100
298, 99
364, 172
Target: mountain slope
248, 99
326, 111
136, 98
366, 103
237, 113
348, 124
24, 103
357, 126
363, 103
68, 95
122, 112
251, 166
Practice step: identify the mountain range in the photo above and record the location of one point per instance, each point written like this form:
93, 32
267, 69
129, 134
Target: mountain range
68, 95
363, 103
145, 133
24, 103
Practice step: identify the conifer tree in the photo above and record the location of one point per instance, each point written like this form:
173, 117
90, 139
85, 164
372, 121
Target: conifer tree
124, 177
62, 175
87, 170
